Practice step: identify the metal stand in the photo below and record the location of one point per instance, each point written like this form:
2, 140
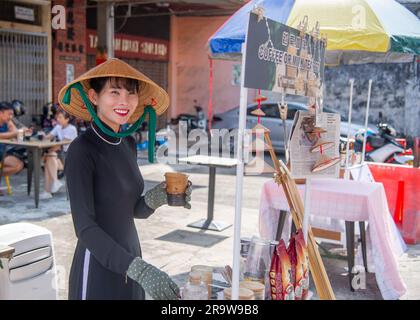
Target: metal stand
350, 248
209, 223
3, 155
34, 166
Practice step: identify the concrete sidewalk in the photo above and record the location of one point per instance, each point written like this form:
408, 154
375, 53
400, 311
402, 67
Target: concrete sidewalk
169, 244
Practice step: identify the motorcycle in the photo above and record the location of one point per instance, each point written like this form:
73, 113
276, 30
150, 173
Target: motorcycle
385, 146
197, 121
45, 121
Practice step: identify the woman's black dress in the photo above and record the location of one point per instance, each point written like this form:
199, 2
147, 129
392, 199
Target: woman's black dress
105, 187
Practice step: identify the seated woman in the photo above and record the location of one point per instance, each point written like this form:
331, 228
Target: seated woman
64, 130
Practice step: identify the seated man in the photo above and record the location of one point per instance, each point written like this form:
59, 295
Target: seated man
8, 130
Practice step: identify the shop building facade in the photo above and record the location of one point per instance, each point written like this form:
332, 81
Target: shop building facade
143, 43
25, 54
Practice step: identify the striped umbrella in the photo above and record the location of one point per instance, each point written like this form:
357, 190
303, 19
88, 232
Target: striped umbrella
358, 31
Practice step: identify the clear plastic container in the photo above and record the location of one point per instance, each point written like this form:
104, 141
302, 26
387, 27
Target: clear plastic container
195, 289
206, 273
258, 260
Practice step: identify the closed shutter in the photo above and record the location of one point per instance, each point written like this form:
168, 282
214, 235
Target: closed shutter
24, 70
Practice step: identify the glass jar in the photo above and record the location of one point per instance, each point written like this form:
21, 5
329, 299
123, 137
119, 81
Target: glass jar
258, 260
195, 289
206, 273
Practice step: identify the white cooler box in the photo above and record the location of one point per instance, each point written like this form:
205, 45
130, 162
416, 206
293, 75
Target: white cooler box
30, 274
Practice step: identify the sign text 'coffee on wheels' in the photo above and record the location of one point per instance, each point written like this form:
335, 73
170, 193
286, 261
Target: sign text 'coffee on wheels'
283, 59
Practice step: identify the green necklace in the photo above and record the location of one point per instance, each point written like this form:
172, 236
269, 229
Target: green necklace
133, 128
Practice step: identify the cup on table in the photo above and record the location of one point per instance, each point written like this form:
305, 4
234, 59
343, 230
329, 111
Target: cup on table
206, 273
176, 185
41, 135
20, 134
27, 135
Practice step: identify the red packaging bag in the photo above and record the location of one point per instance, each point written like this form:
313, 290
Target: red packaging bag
291, 251
281, 274
298, 255
302, 275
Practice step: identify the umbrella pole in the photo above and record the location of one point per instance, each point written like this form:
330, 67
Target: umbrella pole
366, 121
210, 105
307, 206
239, 181
346, 176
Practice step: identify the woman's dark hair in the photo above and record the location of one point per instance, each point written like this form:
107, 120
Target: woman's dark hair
66, 115
131, 85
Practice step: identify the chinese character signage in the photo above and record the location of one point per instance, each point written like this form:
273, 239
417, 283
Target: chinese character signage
129, 46
282, 59
67, 41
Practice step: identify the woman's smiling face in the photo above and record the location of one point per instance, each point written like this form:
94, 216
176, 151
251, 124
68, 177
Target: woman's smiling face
116, 102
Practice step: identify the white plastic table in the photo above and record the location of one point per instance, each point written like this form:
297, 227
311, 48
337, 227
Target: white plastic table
348, 200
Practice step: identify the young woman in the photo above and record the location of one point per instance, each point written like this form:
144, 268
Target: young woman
105, 184
64, 130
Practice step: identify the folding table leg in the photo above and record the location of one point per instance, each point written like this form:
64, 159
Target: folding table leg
2, 163
293, 229
209, 223
350, 250
37, 171
363, 242
29, 171
280, 226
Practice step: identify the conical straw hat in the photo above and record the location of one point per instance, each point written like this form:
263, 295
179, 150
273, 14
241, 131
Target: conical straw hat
258, 112
149, 92
259, 127
321, 142
324, 162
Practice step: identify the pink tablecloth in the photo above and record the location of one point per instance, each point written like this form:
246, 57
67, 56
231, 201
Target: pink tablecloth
346, 200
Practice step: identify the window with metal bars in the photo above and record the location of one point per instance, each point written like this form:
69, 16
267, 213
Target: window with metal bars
24, 70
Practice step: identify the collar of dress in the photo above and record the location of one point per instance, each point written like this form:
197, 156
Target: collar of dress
103, 136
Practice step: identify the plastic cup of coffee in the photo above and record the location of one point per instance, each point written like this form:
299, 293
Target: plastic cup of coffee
176, 185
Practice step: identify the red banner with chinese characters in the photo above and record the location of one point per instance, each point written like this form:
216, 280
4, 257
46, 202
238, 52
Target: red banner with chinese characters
129, 46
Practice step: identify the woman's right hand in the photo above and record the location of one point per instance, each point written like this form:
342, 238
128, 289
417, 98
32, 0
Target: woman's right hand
155, 282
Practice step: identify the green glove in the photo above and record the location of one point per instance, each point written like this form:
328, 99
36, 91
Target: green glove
154, 281
157, 196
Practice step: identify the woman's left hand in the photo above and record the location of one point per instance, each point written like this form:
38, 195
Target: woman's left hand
157, 196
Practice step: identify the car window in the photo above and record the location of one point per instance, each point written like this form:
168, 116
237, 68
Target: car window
250, 109
342, 116
292, 109
271, 110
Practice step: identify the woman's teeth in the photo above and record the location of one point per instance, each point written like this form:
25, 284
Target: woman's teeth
121, 112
